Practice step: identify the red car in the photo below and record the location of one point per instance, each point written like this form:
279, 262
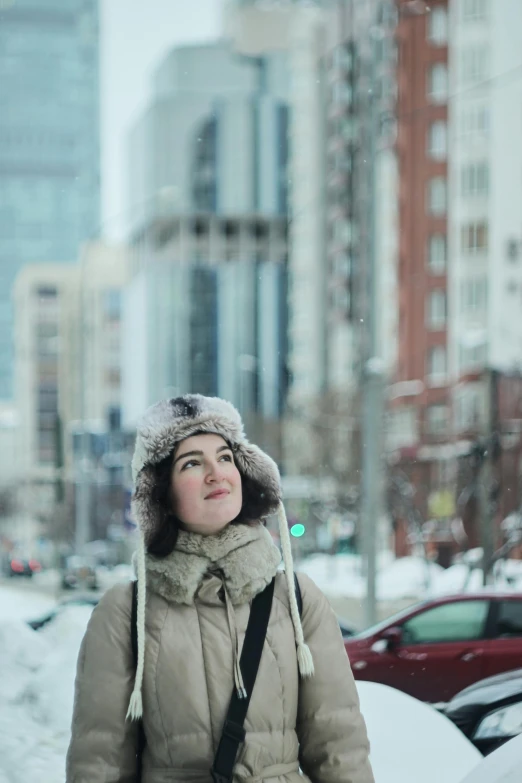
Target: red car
435, 649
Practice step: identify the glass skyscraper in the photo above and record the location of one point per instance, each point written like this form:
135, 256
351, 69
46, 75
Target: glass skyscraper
49, 142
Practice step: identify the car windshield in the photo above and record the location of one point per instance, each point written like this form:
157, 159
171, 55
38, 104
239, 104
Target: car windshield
394, 619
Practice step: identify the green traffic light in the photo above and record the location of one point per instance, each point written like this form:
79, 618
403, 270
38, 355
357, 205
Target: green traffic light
297, 530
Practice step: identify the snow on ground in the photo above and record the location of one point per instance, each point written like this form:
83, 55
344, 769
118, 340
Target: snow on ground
36, 698
407, 577
36, 688
411, 742
107, 577
342, 575
502, 766
23, 605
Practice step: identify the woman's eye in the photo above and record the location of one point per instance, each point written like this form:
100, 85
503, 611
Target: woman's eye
189, 464
227, 457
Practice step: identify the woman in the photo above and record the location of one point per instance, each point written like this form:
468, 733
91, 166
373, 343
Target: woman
201, 493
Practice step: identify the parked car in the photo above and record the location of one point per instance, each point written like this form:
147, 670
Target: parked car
347, 629
436, 648
489, 712
410, 742
42, 620
20, 566
502, 766
79, 572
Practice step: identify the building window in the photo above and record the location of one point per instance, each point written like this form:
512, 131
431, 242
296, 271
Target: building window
512, 250
474, 237
474, 10
342, 265
475, 180
472, 358
437, 419
467, 404
438, 26
437, 196
112, 304
473, 295
437, 250
437, 140
474, 64
341, 299
342, 231
436, 310
342, 93
437, 365
474, 121
342, 58
438, 83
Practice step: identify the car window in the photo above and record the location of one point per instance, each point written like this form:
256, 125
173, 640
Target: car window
455, 622
509, 621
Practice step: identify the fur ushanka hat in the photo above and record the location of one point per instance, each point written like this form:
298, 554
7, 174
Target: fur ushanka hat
161, 428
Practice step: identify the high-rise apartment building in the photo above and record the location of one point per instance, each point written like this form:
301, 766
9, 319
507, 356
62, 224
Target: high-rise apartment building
460, 279
49, 142
67, 360
205, 309
422, 151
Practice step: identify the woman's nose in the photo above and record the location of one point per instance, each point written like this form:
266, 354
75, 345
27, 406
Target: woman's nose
215, 472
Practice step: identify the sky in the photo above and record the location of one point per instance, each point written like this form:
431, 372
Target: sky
135, 34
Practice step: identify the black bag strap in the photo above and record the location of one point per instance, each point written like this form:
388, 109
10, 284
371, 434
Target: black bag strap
140, 745
233, 730
230, 745
298, 595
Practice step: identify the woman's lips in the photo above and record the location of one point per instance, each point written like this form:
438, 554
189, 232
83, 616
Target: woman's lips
219, 493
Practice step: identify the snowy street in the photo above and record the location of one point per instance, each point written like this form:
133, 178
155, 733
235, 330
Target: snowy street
36, 696
36, 687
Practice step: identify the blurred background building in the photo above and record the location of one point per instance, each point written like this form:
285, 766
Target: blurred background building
328, 191
68, 378
49, 143
206, 306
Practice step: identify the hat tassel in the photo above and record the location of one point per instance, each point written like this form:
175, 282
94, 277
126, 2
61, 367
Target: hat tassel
305, 660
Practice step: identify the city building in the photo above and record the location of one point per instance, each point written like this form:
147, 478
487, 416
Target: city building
205, 308
260, 29
416, 437
67, 368
343, 215
216, 326
460, 280
49, 143
485, 246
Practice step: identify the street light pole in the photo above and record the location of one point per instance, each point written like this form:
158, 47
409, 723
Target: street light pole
372, 370
82, 510
486, 478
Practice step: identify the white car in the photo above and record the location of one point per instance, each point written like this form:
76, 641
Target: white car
502, 766
411, 742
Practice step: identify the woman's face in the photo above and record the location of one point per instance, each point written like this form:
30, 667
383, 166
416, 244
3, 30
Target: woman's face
205, 483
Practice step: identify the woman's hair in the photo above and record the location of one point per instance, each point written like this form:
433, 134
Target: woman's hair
162, 539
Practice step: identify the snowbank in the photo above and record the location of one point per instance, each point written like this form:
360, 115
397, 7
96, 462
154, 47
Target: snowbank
108, 577
343, 576
411, 742
23, 605
502, 766
408, 577
36, 690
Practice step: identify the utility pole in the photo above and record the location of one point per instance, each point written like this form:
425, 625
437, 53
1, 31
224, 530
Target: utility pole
372, 368
486, 484
82, 499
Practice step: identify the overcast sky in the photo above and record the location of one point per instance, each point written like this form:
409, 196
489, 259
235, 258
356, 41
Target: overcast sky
134, 36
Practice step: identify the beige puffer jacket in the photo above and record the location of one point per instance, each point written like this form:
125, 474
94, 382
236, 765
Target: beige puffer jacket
314, 723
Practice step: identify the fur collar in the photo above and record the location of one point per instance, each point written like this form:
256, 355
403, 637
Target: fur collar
245, 556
